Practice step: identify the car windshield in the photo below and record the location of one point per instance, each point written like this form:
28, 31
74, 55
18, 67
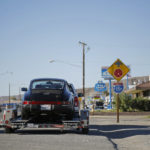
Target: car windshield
47, 84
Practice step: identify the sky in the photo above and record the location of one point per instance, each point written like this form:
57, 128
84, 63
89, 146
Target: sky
33, 32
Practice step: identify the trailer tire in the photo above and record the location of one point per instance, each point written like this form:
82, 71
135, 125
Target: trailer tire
9, 130
78, 129
14, 114
85, 130
25, 115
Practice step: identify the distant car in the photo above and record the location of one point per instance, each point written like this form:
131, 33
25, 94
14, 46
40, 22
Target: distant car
48, 96
99, 108
105, 106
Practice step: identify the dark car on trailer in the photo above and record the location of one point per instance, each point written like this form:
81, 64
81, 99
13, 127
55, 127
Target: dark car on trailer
76, 100
48, 97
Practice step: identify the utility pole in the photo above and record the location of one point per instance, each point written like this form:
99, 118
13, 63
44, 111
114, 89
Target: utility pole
20, 93
9, 94
83, 45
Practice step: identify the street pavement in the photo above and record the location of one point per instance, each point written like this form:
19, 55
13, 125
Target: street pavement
132, 133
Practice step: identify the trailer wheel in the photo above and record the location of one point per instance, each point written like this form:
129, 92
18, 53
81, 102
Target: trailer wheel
78, 129
14, 114
9, 130
85, 130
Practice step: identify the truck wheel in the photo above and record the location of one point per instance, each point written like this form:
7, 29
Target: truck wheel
85, 130
9, 130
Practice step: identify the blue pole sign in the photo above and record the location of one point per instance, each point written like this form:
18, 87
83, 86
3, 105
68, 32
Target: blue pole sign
100, 87
118, 87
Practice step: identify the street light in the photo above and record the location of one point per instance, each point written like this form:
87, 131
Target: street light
64, 62
51, 61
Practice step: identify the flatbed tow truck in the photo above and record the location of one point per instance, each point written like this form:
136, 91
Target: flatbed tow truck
11, 122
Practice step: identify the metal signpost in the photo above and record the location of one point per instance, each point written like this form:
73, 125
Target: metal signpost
128, 75
107, 76
118, 70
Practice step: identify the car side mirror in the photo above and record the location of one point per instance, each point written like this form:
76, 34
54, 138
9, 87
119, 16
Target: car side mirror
24, 89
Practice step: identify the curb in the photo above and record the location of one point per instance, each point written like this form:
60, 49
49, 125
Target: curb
121, 113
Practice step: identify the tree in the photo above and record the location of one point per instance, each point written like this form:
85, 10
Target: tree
124, 102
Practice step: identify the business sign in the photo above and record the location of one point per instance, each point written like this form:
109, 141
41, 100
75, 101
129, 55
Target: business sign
118, 69
105, 74
100, 87
118, 87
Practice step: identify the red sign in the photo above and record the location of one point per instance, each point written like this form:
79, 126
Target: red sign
118, 73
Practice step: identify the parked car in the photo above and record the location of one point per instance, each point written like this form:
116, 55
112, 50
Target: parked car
98, 108
48, 96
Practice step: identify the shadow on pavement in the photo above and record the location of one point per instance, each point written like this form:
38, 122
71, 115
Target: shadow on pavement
118, 131
42, 132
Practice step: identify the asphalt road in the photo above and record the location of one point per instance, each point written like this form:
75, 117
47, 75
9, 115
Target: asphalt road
132, 133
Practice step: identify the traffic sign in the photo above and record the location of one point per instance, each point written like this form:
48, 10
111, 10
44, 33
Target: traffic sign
118, 69
118, 87
100, 87
105, 73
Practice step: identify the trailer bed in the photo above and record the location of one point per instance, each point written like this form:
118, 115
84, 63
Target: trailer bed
11, 124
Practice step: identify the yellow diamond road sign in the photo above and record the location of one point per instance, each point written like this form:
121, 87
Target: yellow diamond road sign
118, 69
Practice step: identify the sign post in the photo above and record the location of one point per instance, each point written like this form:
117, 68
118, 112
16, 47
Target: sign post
118, 88
118, 70
110, 95
107, 76
117, 108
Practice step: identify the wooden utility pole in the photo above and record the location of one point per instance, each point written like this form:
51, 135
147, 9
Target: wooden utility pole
83, 45
118, 108
9, 94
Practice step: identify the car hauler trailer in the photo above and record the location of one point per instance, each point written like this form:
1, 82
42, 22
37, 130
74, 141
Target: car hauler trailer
11, 121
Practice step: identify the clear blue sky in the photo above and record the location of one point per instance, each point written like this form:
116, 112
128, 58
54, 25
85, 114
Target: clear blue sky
32, 32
